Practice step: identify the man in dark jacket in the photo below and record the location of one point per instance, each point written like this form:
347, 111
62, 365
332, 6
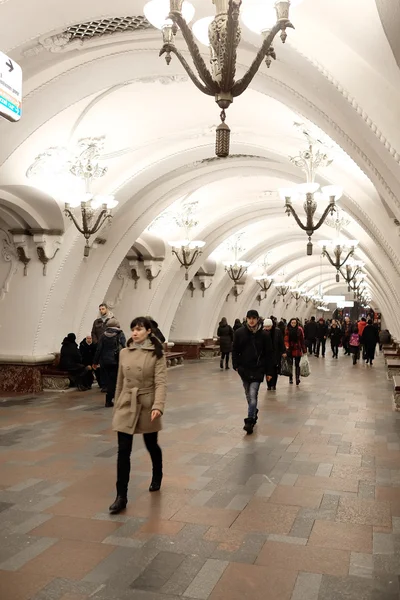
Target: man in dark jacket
310, 335
322, 334
107, 356
100, 324
253, 359
279, 350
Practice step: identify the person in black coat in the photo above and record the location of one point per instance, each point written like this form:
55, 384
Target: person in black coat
237, 325
252, 358
71, 361
335, 335
322, 334
107, 356
279, 350
369, 339
310, 335
225, 334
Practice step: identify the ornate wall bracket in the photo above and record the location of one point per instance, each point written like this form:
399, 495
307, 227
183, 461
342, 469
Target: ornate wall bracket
152, 269
10, 255
191, 287
21, 247
134, 270
46, 248
205, 283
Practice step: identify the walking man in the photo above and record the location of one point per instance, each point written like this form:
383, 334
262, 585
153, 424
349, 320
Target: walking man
252, 358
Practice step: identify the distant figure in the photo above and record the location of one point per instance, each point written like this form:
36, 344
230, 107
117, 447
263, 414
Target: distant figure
384, 338
107, 356
310, 334
237, 324
100, 324
347, 329
335, 336
279, 350
71, 361
295, 347
225, 334
322, 334
354, 343
370, 338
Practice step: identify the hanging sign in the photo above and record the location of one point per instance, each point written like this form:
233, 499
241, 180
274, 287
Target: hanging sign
10, 88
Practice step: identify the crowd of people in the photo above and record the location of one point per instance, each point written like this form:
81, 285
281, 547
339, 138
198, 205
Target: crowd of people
265, 348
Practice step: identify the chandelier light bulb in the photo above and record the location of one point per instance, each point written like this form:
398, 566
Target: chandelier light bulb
109, 201
179, 243
333, 190
157, 11
308, 188
258, 15
196, 244
200, 30
291, 193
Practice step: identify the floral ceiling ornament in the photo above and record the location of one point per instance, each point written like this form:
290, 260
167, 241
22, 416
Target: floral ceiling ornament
222, 34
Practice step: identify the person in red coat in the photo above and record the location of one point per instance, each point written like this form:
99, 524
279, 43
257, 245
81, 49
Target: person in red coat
295, 346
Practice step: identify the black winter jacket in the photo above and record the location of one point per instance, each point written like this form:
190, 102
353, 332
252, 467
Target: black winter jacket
310, 330
70, 357
278, 345
112, 340
225, 334
252, 355
87, 352
322, 331
370, 336
335, 333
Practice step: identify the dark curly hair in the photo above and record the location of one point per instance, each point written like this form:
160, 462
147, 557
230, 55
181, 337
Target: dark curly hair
144, 322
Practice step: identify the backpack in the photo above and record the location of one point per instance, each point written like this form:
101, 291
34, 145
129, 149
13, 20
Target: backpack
118, 347
354, 339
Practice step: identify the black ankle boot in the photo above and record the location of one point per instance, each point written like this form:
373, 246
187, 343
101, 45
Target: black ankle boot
221, 365
155, 483
118, 505
249, 426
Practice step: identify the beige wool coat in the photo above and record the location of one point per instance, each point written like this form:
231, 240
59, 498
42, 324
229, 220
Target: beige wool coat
141, 388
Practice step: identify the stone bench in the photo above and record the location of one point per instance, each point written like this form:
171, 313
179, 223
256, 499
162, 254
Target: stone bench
391, 355
54, 379
396, 392
210, 351
393, 367
174, 359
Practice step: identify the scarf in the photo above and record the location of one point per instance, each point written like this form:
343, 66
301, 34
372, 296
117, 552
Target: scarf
293, 333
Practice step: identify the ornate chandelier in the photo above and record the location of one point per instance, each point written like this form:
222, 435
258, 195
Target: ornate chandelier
353, 270
185, 250
282, 287
339, 246
264, 280
222, 35
95, 210
309, 161
235, 268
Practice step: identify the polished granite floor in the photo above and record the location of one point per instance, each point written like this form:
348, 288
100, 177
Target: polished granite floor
308, 508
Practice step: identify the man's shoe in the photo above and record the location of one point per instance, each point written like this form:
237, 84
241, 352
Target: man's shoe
118, 505
155, 483
221, 365
104, 390
227, 367
274, 388
291, 380
109, 404
249, 426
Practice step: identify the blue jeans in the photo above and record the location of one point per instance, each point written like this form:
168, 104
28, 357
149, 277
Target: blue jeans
251, 390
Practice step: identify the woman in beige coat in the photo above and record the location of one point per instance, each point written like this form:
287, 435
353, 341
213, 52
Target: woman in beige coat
139, 404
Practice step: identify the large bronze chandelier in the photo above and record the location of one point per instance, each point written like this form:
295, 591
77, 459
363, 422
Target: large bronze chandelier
223, 35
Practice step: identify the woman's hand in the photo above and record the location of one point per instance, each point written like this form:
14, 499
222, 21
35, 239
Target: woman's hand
155, 414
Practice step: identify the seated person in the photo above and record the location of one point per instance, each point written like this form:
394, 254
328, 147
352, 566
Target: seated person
88, 349
71, 361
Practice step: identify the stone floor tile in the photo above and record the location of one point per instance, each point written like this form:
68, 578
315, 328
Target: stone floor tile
324, 470
76, 528
294, 496
288, 479
343, 536
241, 581
16, 586
328, 484
203, 515
263, 516
311, 559
206, 579
183, 575
158, 572
14, 563
383, 543
361, 565
364, 512
307, 586
351, 588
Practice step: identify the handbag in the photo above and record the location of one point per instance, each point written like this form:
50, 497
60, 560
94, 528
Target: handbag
354, 339
286, 367
304, 366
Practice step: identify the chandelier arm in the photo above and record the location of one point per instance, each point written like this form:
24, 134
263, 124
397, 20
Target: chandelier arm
198, 60
242, 84
329, 209
330, 260
188, 69
297, 218
73, 219
229, 62
101, 219
347, 258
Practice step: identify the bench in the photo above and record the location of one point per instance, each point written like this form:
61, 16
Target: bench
393, 367
396, 392
54, 379
210, 351
391, 355
174, 359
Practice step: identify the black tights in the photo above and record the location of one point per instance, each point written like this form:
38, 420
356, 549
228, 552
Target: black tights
125, 441
225, 355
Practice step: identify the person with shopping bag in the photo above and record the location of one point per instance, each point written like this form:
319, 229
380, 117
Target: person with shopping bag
295, 347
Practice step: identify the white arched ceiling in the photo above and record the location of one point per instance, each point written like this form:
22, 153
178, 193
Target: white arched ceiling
159, 148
